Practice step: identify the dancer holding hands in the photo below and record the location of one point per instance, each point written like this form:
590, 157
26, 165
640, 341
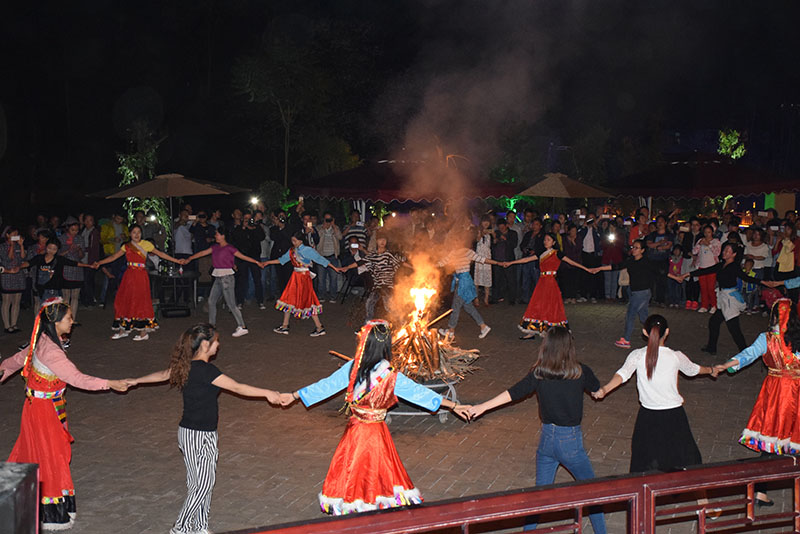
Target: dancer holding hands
662, 439
366, 472
299, 298
546, 307
133, 305
200, 382
44, 436
560, 381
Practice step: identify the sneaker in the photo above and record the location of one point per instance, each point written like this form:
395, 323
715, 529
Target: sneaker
262, 307
318, 332
281, 330
623, 343
695, 304
141, 337
120, 334
581, 299
689, 304
702, 310
240, 331
332, 301
484, 331
239, 306
713, 309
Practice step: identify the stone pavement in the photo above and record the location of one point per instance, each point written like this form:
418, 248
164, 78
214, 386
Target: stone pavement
129, 474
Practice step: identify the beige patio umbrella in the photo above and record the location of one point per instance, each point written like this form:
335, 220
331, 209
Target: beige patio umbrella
172, 185
558, 185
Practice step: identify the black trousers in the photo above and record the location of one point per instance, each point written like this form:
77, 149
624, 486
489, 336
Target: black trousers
504, 283
591, 284
714, 325
245, 269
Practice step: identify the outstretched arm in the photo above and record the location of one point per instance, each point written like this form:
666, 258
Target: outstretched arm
613, 384
197, 255
524, 259
479, 409
229, 384
152, 378
574, 263
165, 256
108, 259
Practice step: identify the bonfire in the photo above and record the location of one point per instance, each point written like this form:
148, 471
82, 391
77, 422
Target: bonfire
420, 353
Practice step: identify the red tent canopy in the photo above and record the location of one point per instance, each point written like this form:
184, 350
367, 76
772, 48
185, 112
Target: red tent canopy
403, 181
698, 175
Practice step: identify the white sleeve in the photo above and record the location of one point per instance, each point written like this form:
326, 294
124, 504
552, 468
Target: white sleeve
629, 367
685, 365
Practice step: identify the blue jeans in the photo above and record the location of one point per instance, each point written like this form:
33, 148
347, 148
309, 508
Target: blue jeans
563, 445
328, 280
459, 303
675, 292
611, 279
637, 306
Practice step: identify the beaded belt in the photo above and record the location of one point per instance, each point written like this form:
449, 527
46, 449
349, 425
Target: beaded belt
367, 415
548, 273
134, 264
44, 394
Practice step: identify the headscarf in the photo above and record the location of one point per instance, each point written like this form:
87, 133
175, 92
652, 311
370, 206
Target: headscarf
48, 308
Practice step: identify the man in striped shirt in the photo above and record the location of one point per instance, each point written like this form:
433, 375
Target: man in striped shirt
382, 266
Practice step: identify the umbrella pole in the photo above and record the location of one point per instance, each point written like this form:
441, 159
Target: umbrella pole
170, 231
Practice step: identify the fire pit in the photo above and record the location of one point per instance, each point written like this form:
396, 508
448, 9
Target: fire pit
420, 353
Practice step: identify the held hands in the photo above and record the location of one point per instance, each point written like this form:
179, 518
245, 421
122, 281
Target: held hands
462, 410
273, 397
475, 411
599, 394
262, 264
286, 399
120, 386
95, 265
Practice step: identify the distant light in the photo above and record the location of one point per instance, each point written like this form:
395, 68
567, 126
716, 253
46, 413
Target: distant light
254, 201
612, 237
394, 214
433, 215
152, 218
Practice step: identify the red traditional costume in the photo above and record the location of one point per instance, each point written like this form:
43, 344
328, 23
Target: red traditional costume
299, 298
774, 424
546, 307
44, 436
366, 472
133, 305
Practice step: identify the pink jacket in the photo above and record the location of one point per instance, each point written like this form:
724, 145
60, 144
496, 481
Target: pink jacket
53, 357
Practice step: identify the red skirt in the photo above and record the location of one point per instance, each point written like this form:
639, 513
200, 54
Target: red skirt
44, 440
299, 297
366, 472
774, 425
546, 307
133, 306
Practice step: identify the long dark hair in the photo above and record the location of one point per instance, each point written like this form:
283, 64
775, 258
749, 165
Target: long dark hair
377, 347
655, 326
48, 317
184, 350
737, 251
555, 240
557, 356
792, 335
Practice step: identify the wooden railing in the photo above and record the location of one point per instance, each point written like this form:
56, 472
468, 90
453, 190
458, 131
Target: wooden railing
646, 498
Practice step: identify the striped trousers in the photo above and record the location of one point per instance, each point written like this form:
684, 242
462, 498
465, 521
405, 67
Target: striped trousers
200, 452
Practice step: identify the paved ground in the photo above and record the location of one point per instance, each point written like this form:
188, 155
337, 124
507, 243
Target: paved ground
129, 474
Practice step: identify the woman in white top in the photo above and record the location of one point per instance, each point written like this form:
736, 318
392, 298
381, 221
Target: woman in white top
662, 439
761, 254
483, 247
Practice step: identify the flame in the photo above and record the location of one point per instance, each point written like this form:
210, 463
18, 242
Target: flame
421, 297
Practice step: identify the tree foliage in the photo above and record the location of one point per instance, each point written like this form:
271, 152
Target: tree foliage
731, 144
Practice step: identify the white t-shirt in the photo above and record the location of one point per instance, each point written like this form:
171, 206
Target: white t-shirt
760, 250
661, 391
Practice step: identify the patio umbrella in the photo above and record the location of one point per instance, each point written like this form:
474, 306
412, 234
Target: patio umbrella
557, 185
172, 185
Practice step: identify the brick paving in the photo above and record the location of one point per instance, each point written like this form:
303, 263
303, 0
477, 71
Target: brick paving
129, 474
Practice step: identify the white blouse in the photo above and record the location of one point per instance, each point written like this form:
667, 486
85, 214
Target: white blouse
661, 391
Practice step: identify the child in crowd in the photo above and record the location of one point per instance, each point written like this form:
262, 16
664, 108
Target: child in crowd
748, 289
560, 381
200, 381
675, 288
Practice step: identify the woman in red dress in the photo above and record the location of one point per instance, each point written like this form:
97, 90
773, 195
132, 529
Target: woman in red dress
366, 472
44, 437
133, 305
546, 307
774, 424
299, 299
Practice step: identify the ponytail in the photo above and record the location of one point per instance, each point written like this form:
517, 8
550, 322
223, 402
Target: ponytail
184, 350
655, 326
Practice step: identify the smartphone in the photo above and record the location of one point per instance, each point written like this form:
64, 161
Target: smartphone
192, 217
627, 223
14, 238
309, 224
300, 199
605, 216
359, 223
775, 228
763, 214
581, 216
353, 245
684, 229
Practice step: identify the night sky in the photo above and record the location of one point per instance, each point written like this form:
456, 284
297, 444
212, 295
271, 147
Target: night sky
489, 79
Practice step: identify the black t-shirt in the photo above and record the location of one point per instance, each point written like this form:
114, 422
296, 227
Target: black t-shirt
727, 274
642, 273
560, 400
200, 410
